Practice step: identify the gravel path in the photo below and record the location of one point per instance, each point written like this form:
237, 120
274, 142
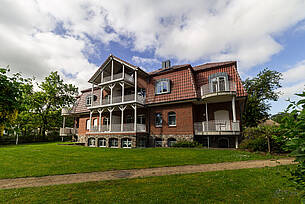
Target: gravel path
135, 173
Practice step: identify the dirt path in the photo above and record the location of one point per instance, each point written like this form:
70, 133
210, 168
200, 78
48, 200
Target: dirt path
135, 173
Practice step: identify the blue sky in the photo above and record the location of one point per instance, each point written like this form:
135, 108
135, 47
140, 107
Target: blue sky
74, 37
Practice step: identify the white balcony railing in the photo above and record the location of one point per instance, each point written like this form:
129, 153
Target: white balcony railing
118, 99
216, 126
127, 127
68, 131
126, 77
209, 88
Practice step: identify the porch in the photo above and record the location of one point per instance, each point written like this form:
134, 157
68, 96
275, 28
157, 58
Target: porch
217, 127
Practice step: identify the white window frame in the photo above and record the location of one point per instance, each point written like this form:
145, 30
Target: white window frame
158, 125
117, 145
89, 100
95, 122
160, 85
141, 119
216, 79
88, 124
169, 115
90, 144
104, 142
127, 142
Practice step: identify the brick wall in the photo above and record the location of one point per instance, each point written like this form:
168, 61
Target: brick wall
184, 119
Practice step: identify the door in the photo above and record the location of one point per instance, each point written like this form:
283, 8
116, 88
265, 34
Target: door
222, 120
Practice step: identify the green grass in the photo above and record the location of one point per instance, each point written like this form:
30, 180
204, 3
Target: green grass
264, 185
51, 159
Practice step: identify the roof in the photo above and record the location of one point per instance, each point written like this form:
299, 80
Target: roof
175, 67
212, 65
269, 123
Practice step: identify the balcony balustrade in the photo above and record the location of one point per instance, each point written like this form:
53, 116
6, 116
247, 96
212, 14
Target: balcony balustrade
127, 127
68, 131
118, 100
126, 77
210, 88
216, 126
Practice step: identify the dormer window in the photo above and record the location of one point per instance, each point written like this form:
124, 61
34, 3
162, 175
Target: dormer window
162, 86
89, 99
218, 82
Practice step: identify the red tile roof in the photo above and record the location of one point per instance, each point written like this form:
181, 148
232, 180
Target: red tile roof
212, 65
167, 69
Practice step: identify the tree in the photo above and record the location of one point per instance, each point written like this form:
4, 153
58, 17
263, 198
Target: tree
293, 125
54, 94
261, 90
11, 93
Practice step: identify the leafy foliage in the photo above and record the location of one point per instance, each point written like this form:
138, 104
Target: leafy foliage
12, 91
260, 89
293, 126
256, 139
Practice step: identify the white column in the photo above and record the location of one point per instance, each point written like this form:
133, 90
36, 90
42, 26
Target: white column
208, 141
112, 70
100, 120
90, 120
122, 108
101, 96
206, 117
233, 109
110, 118
111, 87
64, 122
236, 141
135, 116
135, 85
92, 94
102, 77
123, 91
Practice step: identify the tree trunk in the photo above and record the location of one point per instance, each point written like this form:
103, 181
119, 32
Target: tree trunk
269, 147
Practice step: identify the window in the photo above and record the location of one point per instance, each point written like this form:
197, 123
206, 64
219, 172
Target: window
171, 142
158, 142
95, 122
88, 100
158, 121
162, 86
91, 142
141, 119
172, 119
113, 142
102, 142
88, 124
126, 143
129, 119
219, 82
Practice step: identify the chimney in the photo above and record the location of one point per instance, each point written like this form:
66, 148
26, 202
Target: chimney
166, 64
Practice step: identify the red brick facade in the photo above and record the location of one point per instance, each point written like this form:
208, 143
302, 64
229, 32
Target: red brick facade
184, 99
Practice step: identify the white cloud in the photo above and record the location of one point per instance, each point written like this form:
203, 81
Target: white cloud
180, 29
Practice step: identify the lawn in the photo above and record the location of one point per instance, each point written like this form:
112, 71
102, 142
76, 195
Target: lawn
51, 158
264, 185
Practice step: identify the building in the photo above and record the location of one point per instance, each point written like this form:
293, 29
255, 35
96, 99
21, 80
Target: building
128, 107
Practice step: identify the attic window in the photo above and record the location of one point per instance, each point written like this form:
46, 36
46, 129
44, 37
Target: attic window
89, 99
162, 86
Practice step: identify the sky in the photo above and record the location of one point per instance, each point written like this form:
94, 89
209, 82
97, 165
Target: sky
74, 37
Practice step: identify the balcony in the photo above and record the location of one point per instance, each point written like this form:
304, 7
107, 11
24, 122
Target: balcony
117, 100
117, 77
68, 131
127, 127
218, 88
217, 127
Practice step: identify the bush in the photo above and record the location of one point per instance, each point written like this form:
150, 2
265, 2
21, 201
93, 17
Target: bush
187, 144
256, 139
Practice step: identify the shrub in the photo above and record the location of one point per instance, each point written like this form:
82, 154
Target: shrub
256, 139
187, 144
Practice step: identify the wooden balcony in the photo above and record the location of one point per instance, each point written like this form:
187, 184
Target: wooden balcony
217, 127
117, 100
118, 77
68, 131
116, 128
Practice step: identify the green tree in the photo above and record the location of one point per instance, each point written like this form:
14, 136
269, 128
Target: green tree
261, 90
11, 97
54, 94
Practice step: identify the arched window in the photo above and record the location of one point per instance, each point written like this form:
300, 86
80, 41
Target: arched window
158, 120
95, 122
113, 142
87, 124
171, 119
102, 142
126, 143
91, 142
